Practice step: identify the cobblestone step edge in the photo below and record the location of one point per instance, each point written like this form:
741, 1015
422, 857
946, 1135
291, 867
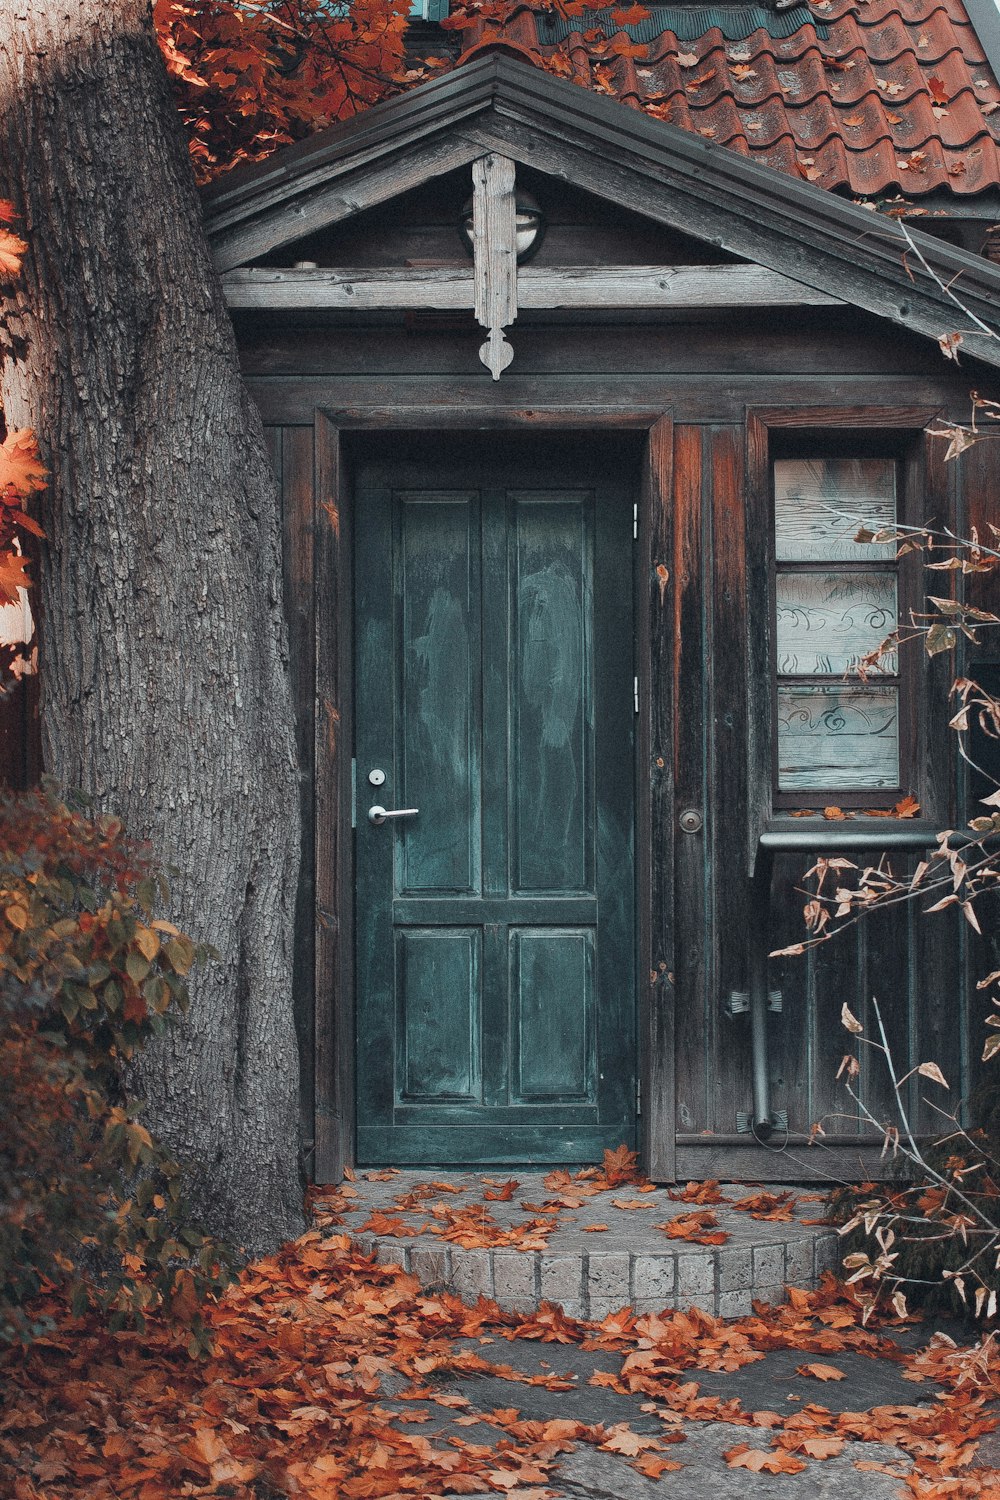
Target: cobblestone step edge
592, 1284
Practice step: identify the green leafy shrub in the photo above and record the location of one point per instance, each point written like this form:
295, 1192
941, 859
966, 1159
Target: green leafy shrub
90, 1204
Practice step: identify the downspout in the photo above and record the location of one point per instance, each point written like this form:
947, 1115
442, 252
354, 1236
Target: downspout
760, 896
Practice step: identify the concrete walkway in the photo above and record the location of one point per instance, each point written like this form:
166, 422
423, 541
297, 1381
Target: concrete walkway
709, 1423
698, 1447
544, 1243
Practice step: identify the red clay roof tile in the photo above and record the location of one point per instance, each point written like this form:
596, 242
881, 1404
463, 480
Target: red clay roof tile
868, 96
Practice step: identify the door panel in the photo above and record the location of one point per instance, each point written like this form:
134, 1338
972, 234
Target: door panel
495, 928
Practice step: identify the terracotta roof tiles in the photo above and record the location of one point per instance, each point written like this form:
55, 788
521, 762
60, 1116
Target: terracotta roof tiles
867, 96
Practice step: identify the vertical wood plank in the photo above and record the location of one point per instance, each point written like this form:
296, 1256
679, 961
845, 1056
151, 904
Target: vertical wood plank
655, 809
296, 458
834, 977
887, 973
976, 478
333, 843
757, 545
942, 990
729, 857
690, 646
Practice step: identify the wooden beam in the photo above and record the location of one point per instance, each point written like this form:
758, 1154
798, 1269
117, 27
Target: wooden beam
452, 288
494, 234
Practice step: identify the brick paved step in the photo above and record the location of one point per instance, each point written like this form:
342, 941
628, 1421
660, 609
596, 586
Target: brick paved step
630, 1264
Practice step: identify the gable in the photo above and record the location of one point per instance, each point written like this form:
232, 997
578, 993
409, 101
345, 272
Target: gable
667, 176
420, 228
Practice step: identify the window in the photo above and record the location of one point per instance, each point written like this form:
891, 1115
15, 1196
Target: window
835, 601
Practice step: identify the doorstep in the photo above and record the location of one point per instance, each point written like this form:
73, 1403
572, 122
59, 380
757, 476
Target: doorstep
589, 1272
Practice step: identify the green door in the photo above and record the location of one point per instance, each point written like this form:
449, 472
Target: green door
494, 694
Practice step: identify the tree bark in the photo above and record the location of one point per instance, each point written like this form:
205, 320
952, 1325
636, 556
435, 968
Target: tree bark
165, 676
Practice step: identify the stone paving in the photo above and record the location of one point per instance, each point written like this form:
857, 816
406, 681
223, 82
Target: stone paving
591, 1274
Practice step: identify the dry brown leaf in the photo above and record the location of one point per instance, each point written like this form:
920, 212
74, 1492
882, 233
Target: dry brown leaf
745, 1457
821, 1372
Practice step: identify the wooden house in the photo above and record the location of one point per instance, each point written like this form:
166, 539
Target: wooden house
577, 407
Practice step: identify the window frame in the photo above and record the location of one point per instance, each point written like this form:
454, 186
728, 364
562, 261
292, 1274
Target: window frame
921, 493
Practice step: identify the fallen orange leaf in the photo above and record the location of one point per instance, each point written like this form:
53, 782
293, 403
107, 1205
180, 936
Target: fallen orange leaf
821, 1372
745, 1457
653, 1467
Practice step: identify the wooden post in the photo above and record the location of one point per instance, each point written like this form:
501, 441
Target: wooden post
494, 228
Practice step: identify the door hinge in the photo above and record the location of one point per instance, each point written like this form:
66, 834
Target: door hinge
635, 521
638, 1096
635, 694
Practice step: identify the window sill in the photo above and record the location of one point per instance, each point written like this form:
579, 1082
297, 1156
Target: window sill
821, 835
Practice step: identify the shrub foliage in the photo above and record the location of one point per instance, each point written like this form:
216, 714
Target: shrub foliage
89, 1202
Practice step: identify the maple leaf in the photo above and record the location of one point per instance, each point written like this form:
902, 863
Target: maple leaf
389, 1225
621, 1439
595, 1228
701, 80
13, 576
699, 1192
687, 59
821, 1372
20, 466
813, 1447
938, 91
652, 1466
629, 15
502, 1193
12, 249
700, 1228
776, 1207
620, 1166
745, 1457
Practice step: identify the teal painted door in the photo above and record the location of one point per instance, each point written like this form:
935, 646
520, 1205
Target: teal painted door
494, 691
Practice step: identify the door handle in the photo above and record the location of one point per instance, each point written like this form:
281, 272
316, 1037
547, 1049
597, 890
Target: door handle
378, 815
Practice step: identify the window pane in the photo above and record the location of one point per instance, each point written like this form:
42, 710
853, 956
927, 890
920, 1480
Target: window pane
827, 621
819, 504
837, 738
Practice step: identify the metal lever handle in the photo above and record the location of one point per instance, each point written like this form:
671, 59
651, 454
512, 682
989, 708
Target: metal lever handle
378, 815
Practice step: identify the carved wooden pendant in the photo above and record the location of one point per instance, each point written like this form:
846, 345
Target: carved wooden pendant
494, 222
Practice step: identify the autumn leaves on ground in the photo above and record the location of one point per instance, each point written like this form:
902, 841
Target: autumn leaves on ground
327, 1366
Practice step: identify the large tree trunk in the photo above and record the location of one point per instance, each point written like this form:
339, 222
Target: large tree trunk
164, 657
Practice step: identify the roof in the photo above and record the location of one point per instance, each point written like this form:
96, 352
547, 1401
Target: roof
668, 175
871, 97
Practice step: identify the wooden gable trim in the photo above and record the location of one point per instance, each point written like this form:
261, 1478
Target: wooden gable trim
666, 174
451, 288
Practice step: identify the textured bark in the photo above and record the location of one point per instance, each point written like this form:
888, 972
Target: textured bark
165, 673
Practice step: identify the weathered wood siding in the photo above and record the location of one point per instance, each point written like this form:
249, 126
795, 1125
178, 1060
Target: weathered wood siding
704, 698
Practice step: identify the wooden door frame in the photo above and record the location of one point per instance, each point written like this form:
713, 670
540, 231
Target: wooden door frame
335, 1041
